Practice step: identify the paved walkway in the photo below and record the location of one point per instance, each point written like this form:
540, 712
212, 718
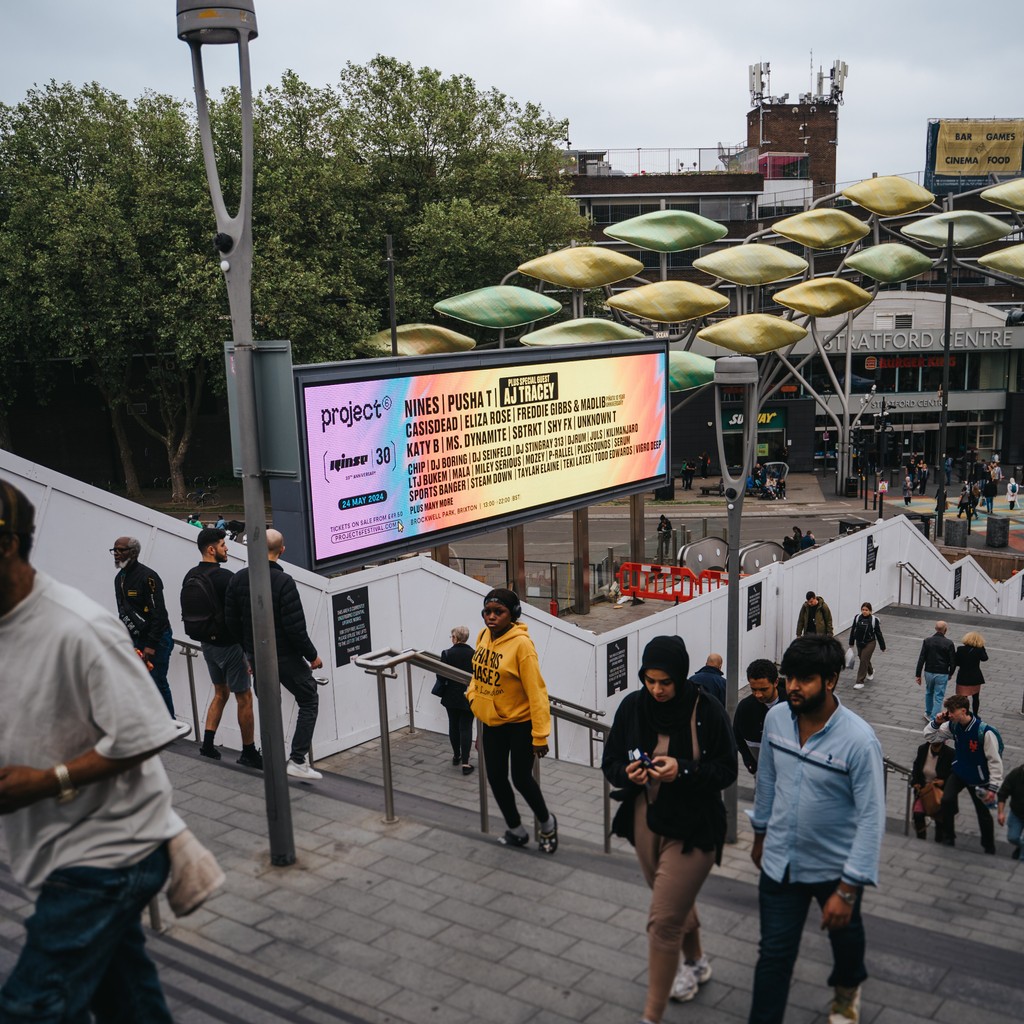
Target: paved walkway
430, 920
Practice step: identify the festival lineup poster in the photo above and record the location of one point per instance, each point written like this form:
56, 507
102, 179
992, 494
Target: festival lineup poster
405, 456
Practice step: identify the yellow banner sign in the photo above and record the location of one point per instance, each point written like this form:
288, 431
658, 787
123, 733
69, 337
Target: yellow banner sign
979, 147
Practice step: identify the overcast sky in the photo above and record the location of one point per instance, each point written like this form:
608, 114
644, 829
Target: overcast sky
651, 73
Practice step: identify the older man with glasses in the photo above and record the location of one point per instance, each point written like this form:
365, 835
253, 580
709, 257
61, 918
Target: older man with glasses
139, 593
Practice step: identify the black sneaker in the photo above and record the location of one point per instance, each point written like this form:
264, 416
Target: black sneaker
253, 760
211, 752
511, 838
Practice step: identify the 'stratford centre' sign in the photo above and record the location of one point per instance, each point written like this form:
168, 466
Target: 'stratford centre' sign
982, 339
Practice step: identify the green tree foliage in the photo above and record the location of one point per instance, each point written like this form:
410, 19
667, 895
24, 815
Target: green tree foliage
106, 256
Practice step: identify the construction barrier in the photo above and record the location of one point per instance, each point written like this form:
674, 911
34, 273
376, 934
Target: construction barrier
667, 582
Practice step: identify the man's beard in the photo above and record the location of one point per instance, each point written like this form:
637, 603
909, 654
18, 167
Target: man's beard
810, 704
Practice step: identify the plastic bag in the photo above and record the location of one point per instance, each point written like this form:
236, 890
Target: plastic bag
851, 657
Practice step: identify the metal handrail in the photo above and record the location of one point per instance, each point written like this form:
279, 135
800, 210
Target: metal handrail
892, 768
922, 584
191, 651
383, 663
976, 605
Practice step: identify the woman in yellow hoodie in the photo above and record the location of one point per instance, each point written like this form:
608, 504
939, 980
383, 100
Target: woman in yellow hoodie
509, 698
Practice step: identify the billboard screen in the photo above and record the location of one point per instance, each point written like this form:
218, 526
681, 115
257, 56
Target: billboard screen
962, 153
406, 454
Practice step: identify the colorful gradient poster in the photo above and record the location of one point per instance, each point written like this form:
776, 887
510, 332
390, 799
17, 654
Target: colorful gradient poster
398, 458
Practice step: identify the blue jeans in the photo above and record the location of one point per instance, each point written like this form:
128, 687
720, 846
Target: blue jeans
84, 950
784, 907
934, 692
161, 662
1014, 827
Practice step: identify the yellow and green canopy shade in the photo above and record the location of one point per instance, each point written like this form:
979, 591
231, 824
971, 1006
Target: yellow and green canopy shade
1009, 194
1007, 261
688, 370
417, 340
753, 334
579, 332
970, 229
889, 196
822, 229
752, 264
824, 296
582, 266
669, 302
667, 230
890, 262
499, 306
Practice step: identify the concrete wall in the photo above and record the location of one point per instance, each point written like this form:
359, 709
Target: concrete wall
415, 602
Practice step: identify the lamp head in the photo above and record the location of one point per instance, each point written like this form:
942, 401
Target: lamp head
736, 370
227, 22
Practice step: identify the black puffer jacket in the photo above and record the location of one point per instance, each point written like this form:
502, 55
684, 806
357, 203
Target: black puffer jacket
690, 808
289, 618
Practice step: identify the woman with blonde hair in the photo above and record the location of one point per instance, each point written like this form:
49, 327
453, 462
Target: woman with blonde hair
969, 678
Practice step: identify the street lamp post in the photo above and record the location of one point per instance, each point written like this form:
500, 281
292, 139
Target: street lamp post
940, 500
733, 372
233, 22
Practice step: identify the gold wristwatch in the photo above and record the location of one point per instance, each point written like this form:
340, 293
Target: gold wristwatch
849, 898
68, 790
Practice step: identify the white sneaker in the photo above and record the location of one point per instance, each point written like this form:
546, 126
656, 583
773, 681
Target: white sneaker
859, 686
845, 1006
871, 675
701, 969
684, 988
301, 770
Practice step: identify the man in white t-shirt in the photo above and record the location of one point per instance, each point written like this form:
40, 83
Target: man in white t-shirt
86, 807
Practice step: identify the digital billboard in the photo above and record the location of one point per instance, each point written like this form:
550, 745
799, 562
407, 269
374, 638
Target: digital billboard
405, 454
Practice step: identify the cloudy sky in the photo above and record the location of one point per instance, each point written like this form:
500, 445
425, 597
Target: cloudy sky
650, 73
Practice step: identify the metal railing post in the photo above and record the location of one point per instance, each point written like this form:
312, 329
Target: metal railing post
408, 697
385, 751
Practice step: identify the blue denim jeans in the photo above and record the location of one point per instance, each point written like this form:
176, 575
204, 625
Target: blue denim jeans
1014, 826
934, 692
84, 951
784, 907
161, 663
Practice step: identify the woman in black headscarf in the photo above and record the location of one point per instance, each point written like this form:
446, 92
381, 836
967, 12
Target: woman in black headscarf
670, 753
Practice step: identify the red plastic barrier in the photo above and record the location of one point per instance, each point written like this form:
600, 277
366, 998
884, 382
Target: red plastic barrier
659, 582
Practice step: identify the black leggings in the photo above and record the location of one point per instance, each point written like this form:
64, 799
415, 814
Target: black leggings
506, 745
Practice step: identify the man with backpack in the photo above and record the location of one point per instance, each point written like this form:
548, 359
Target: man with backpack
978, 767
202, 612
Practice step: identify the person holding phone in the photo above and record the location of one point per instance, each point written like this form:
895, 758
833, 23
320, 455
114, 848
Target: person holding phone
670, 753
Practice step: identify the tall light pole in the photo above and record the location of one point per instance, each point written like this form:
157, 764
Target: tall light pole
231, 23
940, 502
732, 372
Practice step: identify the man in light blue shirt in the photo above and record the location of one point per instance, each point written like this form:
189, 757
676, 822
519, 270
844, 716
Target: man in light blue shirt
818, 819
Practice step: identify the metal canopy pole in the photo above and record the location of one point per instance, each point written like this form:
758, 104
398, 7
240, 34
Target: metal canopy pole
940, 503
234, 23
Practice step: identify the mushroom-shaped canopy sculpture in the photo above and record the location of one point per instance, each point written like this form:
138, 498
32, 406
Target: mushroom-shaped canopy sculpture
753, 334
582, 266
669, 302
1007, 261
889, 196
890, 262
1009, 194
579, 332
417, 340
970, 229
824, 296
667, 230
688, 370
499, 305
821, 229
752, 264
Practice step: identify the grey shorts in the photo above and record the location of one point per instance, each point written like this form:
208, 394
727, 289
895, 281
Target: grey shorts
227, 665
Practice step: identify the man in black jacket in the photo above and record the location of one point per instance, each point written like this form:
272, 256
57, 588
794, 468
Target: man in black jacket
766, 690
294, 648
937, 658
139, 593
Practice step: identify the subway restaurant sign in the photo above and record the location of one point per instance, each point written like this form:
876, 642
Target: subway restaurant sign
774, 419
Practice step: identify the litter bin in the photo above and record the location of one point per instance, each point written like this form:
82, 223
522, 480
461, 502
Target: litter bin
852, 486
954, 532
997, 533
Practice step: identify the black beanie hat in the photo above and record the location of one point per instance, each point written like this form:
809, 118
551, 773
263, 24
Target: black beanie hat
506, 598
668, 654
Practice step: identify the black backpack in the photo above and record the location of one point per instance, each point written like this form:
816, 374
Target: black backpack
201, 612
